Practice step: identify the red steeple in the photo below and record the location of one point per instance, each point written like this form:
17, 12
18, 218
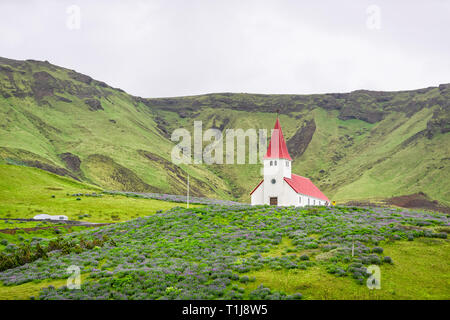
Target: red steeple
277, 147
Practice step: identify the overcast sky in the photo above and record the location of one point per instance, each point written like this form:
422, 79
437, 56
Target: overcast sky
186, 47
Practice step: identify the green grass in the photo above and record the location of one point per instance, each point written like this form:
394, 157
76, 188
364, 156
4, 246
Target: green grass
31, 289
285, 247
420, 268
27, 290
21, 235
13, 224
25, 200
420, 271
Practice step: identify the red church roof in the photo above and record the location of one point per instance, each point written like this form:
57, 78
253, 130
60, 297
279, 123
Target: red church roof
305, 186
256, 187
278, 144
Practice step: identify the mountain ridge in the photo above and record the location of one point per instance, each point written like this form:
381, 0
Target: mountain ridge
356, 145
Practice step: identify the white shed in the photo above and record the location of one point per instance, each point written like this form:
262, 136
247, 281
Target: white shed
50, 217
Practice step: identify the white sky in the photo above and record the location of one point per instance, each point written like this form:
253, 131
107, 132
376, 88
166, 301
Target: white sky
176, 47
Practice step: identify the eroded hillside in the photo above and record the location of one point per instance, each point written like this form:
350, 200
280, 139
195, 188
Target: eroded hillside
358, 145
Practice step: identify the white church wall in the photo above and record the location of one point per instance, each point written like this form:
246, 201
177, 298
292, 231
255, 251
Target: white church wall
285, 194
282, 168
289, 195
257, 196
309, 201
277, 171
286, 164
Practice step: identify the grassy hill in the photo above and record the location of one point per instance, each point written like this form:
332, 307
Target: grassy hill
358, 145
245, 252
26, 192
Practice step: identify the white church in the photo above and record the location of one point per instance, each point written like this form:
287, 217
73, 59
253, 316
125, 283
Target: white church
280, 187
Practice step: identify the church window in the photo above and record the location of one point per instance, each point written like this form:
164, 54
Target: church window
271, 163
287, 163
273, 181
299, 200
275, 162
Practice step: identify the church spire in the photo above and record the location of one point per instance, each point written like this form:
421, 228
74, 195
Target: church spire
277, 146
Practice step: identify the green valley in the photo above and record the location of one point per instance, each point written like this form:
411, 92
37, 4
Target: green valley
363, 145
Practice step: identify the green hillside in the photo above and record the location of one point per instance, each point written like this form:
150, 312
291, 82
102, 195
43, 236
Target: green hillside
26, 192
358, 145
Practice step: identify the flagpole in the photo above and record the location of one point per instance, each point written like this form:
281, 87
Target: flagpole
188, 191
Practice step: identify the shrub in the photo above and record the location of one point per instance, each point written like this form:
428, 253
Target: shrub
356, 265
387, 259
295, 296
441, 235
365, 260
340, 272
244, 279
4, 242
234, 276
377, 249
259, 293
304, 257
10, 247
26, 253
373, 258
312, 245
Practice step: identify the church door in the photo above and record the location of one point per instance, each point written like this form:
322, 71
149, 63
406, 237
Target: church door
273, 201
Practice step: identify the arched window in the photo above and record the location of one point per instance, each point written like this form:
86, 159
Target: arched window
275, 162
299, 200
287, 163
271, 163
